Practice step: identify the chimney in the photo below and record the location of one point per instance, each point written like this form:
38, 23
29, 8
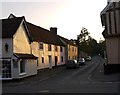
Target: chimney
53, 30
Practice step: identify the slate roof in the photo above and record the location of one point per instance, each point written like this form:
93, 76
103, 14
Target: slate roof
10, 26
25, 56
67, 41
36, 33
43, 35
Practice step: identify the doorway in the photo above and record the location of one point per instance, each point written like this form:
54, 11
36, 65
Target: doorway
56, 59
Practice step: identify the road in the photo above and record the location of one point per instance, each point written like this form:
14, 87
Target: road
65, 81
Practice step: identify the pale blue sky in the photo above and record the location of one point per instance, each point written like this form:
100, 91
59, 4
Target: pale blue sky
69, 16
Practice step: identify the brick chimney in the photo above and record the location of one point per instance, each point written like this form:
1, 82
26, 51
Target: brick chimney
53, 30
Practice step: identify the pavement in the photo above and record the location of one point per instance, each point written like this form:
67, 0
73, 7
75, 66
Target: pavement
42, 74
98, 75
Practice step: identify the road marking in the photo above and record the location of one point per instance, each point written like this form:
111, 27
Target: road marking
44, 91
112, 82
108, 82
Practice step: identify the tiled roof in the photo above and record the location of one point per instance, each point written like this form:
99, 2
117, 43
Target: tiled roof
10, 26
67, 41
43, 35
25, 56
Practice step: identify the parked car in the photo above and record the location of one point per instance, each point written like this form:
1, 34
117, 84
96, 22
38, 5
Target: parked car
88, 58
81, 61
72, 64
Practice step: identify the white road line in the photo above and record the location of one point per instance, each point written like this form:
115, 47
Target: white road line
112, 82
109, 82
44, 91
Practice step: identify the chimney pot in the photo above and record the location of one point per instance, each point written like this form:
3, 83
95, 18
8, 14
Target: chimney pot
53, 30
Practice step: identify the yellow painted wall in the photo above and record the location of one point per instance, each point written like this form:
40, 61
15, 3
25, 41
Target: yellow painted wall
45, 53
72, 54
20, 41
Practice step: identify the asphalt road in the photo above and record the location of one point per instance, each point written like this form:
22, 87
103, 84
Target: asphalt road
62, 80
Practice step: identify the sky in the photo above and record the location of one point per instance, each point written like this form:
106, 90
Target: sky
69, 16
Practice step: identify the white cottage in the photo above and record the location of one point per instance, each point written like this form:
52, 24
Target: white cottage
16, 60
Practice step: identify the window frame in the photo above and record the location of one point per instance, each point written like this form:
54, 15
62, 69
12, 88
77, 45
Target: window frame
61, 49
22, 70
56, 48
62, 59
49, 47
41, 47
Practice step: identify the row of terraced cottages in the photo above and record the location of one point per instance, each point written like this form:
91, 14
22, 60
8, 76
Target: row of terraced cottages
26, 48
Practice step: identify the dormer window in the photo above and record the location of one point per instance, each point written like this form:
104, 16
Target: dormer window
6, 47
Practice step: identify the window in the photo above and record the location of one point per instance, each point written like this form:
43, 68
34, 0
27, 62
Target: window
73, 57
41, 45
68, 48
56, 48
49, 47
42, 59
72, 48
22, 66
61, 49
69, 57
61, 58
6, 68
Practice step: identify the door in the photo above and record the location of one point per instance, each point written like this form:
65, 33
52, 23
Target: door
50, 61
56, 61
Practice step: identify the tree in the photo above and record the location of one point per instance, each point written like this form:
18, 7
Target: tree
84, 34
88, 44
101, 47
82, 41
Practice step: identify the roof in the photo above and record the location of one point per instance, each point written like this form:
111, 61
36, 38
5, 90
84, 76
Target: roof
25, 56
67, 41
10, 26
43, 35
106, 8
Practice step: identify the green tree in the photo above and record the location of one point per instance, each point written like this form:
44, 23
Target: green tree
83, 36
88, 44
82, 41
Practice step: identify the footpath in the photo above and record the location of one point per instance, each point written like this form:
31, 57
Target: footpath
98, 75
42, 74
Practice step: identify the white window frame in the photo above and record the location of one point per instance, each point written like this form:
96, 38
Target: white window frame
22, 73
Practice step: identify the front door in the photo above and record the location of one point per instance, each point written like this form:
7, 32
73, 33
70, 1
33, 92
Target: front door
56, 61
50, 61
